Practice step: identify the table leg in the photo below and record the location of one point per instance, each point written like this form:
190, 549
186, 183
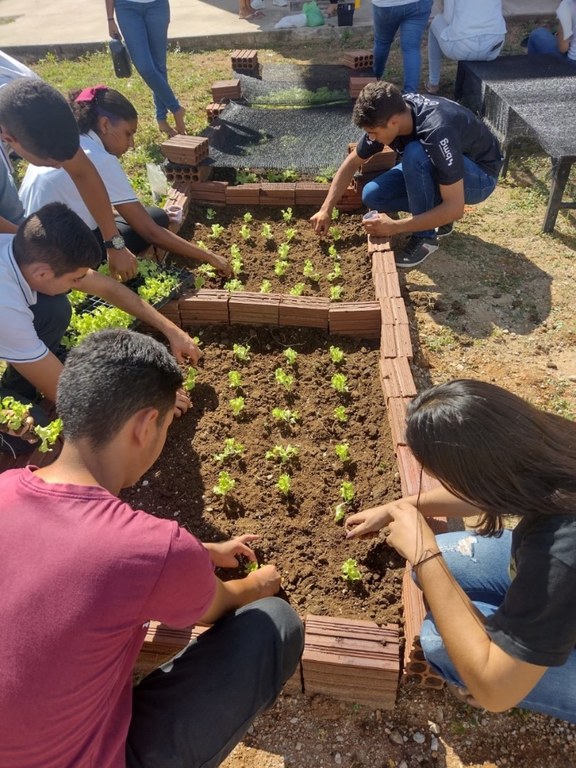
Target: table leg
560, 171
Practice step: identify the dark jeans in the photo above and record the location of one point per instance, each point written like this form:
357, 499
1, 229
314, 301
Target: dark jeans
51, 319
134, 242
192, 711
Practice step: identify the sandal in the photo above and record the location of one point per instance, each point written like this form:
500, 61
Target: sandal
432, 89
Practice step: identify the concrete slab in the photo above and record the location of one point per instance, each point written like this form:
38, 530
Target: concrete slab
42, 25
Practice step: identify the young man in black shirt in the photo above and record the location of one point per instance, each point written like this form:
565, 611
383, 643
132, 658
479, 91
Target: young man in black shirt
448, 158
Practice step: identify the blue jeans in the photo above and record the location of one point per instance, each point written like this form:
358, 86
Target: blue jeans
482, 572
144, 27
411, 185
193, 710
542, 41
411, 19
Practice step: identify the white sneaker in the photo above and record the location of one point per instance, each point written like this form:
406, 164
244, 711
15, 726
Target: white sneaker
280, 2
257, 5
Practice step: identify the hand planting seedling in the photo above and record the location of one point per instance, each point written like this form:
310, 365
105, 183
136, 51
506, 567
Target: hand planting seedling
335, 213
287, 215
48, 435
291, 355
265, 286
266, 231
342, 450
347, 491
216, 231
337, 355
281, 267
241, 352
310, 272
340, 414
247, 218
282, 453
232, 448
226, 484
284, 484
190, 380
297, 289
285, 415
339, 512
235, 379
350, 570
334, 233
339, 382
245, 232
336, 292
283, 251
237, 405
210, 214
285, 380
290, 233
251, 566
234, 285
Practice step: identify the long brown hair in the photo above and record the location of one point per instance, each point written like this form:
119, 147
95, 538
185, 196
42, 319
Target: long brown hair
494, 450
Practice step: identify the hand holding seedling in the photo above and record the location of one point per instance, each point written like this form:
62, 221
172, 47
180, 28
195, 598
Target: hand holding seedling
182, 346
367, 522
320, 222
409, 533
219, 263
266, 579
225, 554
182, 403
383, 226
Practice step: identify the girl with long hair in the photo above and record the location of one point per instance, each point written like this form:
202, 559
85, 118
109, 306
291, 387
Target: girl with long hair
502, 623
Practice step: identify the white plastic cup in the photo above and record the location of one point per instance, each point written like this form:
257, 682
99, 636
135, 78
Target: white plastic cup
370, 216
175, 213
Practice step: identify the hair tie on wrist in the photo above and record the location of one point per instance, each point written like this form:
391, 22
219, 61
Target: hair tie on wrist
89, 94
425, 559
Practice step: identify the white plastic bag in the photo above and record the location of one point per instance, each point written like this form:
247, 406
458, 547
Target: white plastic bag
297, 20
157, 181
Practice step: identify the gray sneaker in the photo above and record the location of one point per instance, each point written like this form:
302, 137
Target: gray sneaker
445, 229
416, 250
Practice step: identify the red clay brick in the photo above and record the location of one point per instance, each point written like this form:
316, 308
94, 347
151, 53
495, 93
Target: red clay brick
254, 308
306, 311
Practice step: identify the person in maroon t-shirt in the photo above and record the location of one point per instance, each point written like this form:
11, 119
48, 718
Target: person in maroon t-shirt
86, 574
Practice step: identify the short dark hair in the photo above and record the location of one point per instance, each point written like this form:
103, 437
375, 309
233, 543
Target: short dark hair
108, 378
37, 115
105, 102
376, 104
494, 450
58, 237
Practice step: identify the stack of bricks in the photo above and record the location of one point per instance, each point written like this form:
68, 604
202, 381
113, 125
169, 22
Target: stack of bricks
358, 59
245, 61
351, 200
214, 110
351, 660
359, 318
185, 150
177, 173
213, 192
224, 90
356, 84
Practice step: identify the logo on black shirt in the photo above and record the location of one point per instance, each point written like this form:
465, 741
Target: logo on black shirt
445, 147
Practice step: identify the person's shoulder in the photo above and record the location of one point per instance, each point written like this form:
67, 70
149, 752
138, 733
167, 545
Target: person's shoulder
555, 533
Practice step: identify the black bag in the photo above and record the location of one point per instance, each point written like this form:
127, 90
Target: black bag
120, 58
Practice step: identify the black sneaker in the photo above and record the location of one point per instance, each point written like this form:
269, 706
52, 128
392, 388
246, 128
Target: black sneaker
416, 250
445, 229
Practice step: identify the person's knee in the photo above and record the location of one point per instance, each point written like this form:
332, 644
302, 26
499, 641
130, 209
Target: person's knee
414, 155
277, 622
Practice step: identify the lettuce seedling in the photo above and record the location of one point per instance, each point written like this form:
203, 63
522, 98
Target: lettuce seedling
13, 413
206, 269
336, 292
237, 404
199, 282
339, 512
287, 215
247, 218
337, 355
347, 491
241, 352
335, 213
265, 286
340, 414
339, 382
217, 230
350, 570
333, 252
335, 274
342, 450
202, 244
232, 448
285, 415
334, 233
310, 272
234, 285
245, 232
297, 289
284, 484
266, 231
210, 214
190, 380
235, 379
291, 355
251, 566
290, 233
283, 251
285, 380
226, 484
281, 267
282, 453
48, 435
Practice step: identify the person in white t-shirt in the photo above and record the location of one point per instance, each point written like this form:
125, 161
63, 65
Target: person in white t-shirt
563, 43
464, 31
107, 122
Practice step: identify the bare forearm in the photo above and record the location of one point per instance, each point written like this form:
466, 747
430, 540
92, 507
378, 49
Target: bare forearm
341, 180
170, 241
110, 5
6, 227
231, 595
93, 192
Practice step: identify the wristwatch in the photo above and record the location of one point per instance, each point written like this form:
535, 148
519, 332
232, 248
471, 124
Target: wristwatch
117, 242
